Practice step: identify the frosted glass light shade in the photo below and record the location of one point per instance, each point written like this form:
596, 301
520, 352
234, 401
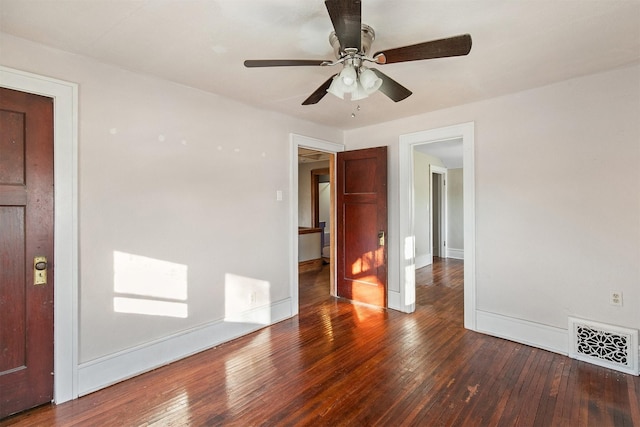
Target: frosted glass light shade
349, 77
360, 83
370, 81
359, 93
335, 88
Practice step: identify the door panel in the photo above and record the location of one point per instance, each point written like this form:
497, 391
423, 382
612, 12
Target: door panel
12, 147
361, 186
26, 231
12, 293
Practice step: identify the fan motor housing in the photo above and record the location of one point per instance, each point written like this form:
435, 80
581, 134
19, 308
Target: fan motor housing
367, 37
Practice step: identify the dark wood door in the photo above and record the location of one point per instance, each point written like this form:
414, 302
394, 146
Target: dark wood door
26, 232
361, 187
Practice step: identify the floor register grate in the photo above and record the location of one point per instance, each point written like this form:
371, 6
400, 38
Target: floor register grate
605, 345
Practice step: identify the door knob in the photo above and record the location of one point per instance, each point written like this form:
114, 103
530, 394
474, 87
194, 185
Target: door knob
40, 270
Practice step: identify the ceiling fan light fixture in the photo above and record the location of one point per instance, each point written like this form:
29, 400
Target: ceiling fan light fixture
368, 83
369, 80
360, 93
336, 87
360, 82
351, 42
349, 76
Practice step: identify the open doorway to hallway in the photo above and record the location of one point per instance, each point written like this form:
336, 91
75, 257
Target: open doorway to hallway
438, 209
315, 212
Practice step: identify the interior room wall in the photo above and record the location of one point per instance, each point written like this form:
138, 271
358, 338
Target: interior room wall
171, 176
304, 190
557, 197
173, 183
324, 210
422, 197
455, 214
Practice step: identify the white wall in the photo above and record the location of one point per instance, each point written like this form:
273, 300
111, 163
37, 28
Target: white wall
324, 208
422, 198
304, 190
455, 211
174, 175
557, 197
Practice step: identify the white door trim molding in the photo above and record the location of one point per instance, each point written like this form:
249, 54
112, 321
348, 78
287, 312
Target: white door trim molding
298, 141
65, 139
406, 221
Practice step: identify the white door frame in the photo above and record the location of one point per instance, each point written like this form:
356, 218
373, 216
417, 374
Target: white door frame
65, 140
442, 205
300, 141
406, 220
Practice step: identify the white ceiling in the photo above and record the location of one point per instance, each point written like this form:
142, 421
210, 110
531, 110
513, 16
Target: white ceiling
449, 152
517, 45
306, 155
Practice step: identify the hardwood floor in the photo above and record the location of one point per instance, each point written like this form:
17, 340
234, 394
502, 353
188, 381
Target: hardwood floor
338, 364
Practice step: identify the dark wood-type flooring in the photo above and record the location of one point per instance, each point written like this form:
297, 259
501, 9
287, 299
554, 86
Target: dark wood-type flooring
342, 364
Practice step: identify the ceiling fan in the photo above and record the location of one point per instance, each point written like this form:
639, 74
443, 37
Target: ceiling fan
351, 42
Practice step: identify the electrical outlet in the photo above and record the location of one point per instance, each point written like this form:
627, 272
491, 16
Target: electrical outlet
615, 298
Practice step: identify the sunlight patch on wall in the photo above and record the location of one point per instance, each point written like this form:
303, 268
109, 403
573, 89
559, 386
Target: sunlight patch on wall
409, 248
150, 307
409, 271
243, 295
149, 286
410, 284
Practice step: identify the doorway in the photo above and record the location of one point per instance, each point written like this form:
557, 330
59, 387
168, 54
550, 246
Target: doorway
371, 245
315, 216
436, 159
438, 212
405, 300
298, 214
321, 208
65, 119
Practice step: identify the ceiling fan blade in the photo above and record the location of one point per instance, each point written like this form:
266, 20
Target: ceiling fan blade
250, 63
346, 17
452, 46
319, 93
392, 88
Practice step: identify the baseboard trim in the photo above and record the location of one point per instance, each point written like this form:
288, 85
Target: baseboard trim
423, 260
523, 331
394, 302
108, 370
455, 253
310, 265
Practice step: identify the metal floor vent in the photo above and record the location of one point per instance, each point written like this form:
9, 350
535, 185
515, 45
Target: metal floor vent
604, 345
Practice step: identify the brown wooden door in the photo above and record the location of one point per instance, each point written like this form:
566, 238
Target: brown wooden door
361, 187
26, 231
